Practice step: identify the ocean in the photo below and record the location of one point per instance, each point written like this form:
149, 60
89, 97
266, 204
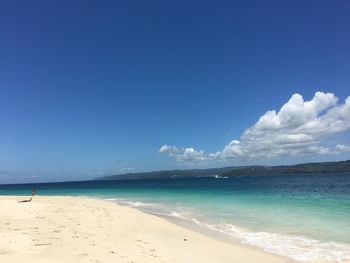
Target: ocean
304, 217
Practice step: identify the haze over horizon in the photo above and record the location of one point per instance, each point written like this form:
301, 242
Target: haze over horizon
91, 89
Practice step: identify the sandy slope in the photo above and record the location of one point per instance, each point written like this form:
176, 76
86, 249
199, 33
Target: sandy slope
72, 229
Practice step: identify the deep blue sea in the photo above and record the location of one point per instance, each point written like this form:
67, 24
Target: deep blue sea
304, 217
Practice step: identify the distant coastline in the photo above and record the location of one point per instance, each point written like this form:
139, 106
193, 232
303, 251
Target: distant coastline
232, 171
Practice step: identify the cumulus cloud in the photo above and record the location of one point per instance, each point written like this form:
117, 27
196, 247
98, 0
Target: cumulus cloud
342, 148
299, 128
182, 154
169, 149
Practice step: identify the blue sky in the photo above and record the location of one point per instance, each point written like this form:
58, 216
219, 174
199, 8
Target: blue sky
89, 88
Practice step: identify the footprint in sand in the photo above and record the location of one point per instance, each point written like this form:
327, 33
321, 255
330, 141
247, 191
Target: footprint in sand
43, 244
5, 251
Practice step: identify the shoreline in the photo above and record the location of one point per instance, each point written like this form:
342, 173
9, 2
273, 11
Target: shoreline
84, 229
202, 230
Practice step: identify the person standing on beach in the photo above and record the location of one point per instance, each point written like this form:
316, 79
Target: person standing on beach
33, 191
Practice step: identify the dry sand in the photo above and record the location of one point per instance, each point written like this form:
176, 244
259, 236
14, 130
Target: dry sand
74, 229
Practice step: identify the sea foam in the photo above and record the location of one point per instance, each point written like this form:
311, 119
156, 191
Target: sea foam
296, 247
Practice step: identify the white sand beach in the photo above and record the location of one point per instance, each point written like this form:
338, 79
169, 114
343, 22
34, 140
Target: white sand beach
74, 229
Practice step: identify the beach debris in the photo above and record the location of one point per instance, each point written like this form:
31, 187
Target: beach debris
185, 239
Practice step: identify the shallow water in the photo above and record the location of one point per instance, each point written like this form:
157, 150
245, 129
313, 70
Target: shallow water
305, 217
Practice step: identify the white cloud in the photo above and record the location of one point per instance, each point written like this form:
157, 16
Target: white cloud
183, 154
342, 148
169, 149
298, 128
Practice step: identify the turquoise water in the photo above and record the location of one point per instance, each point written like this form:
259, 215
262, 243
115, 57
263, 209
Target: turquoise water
304, 217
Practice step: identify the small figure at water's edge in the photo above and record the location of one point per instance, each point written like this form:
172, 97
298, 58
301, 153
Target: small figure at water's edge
30, 199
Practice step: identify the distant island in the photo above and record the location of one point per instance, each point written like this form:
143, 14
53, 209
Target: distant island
305, 168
